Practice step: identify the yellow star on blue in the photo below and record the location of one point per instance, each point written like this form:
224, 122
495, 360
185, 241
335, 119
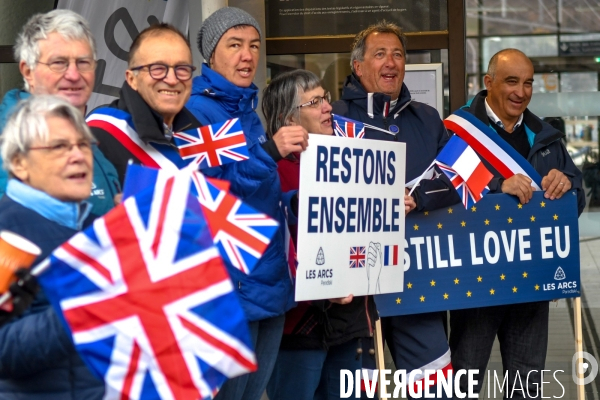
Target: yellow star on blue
473, 208
532, 218
487, 221
446, 296
398, 301
422, 298
450, 210
432, 282
543, 204
555, 217
416, 227
520, 206
497, 207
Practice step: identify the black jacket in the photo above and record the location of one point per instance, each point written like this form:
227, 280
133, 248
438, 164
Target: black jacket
547, 151
148, 125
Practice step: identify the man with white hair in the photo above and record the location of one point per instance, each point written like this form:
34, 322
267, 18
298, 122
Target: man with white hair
56, 53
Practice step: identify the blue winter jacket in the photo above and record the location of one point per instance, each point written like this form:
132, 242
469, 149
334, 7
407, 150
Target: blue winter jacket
416, 124
267, 291
106, 183
38, 360
547, 149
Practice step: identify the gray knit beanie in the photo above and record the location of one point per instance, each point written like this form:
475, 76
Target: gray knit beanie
217, 24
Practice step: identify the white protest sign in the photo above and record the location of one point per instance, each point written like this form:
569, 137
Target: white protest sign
351, 218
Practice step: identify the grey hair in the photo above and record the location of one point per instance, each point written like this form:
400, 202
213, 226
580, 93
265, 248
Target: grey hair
491, 71
281, 97
67, 23
359, 46
28, 124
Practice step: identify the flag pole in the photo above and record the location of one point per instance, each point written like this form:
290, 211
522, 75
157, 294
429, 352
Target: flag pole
379, 358
579, 348
421, 177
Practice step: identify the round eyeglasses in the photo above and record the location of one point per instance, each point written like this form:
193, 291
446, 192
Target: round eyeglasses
158, 71
317, 101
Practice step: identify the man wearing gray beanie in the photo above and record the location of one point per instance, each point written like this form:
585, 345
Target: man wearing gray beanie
230, 41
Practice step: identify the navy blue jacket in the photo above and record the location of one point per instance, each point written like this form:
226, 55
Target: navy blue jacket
105, 184
267, 292
547, 149
417, 124
38, 360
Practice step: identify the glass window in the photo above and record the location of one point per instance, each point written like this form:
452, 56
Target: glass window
286, 18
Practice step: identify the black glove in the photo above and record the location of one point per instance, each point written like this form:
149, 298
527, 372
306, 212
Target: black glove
23, 293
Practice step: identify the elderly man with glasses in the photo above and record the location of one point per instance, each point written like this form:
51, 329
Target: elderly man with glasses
139, 125
57, 55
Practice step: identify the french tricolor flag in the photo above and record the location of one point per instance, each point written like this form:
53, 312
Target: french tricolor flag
465, 170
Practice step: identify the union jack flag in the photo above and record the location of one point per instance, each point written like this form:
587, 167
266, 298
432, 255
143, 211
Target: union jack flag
213, 145
241, 233
357, 257
148, 301
347, 127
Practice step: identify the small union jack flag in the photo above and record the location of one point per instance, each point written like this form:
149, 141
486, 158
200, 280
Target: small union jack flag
347, 127
241, 233
357, 257
213, 145
148, 300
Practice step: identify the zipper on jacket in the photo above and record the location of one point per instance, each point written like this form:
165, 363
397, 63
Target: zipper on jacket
368, 317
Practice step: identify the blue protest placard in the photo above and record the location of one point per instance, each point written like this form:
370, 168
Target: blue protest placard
497, 252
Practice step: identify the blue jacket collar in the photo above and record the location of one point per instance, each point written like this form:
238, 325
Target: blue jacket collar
69, 214
233, 98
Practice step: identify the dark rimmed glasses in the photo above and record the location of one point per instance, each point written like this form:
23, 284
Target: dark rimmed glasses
317, 101
158, 71
62, 64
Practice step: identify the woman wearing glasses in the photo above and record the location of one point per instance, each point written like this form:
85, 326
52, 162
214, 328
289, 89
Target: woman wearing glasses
47, 150
320, 337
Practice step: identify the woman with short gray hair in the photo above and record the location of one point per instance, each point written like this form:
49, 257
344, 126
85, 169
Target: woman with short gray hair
310, 353
47, 149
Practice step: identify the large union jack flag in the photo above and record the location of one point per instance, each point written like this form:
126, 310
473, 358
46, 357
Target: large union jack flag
346, 127
358, 257
148, 301
212, 145
241, 233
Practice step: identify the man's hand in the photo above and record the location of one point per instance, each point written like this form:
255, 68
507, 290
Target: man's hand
520, 186
291, 139
555, 184
409, 202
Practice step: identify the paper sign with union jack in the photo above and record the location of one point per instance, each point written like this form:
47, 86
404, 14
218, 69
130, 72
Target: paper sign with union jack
212, 145
148, 301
